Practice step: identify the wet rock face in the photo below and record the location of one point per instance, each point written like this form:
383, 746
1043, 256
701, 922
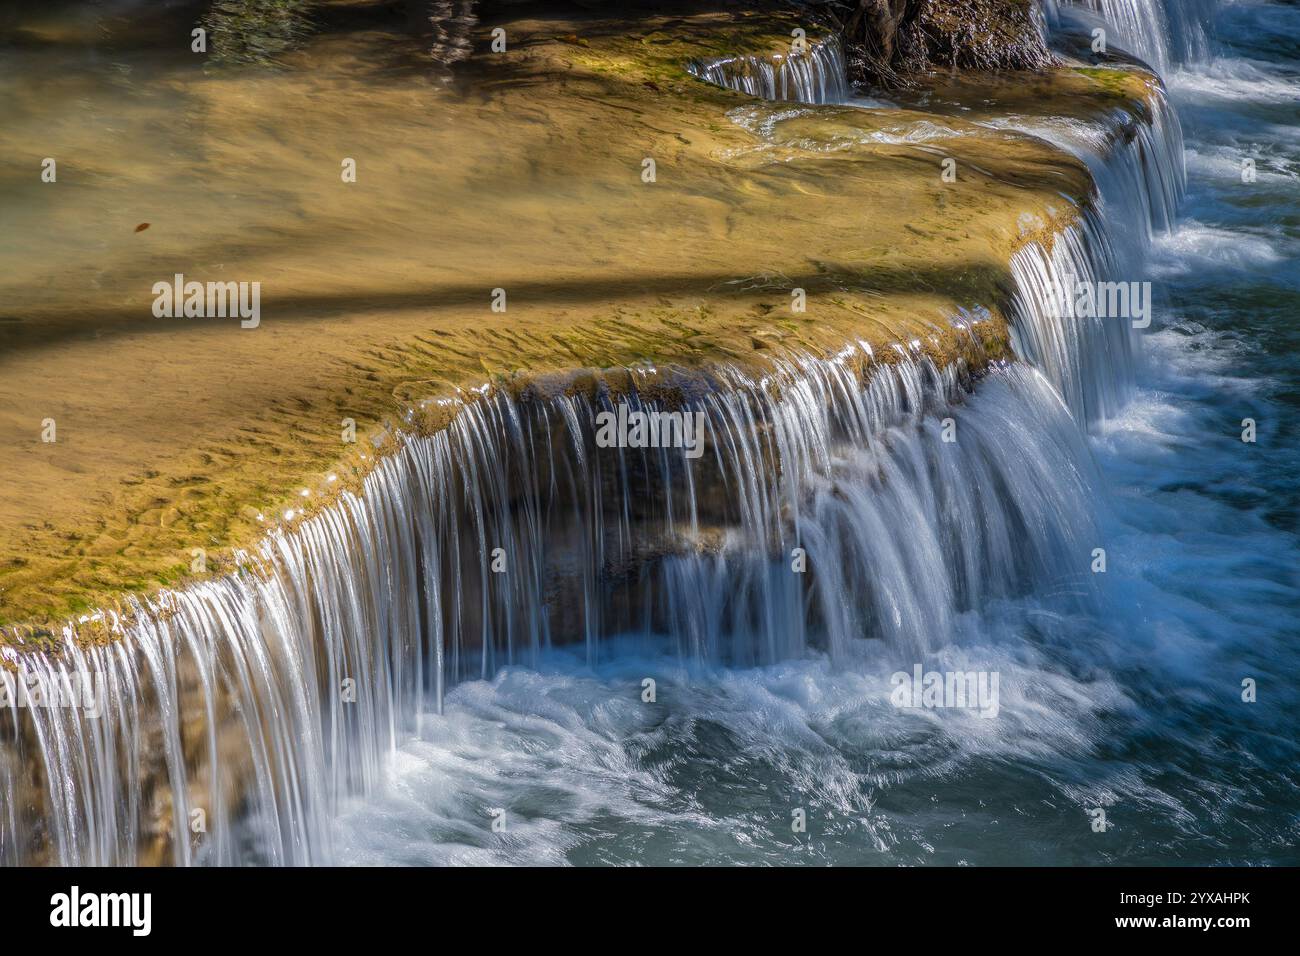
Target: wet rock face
890, 40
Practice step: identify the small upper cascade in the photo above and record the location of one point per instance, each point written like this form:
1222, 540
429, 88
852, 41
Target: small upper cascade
815, 75
1163, 33
820, 510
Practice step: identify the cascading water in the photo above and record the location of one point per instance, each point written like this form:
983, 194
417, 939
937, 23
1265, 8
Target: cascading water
1089, 359
815, 75
1136, 164
1137, 167
1134, 706
310, 666
308, 669
1161, 32
272, 697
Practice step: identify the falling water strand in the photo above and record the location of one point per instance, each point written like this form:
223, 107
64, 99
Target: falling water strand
1136, 163
1138, 170
1163, 33
816, 75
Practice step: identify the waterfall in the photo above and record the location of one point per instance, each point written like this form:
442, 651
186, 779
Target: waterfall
817, 75
1137, 168
1088, 359
1136, 160
1136, 163
267, 698
1163, 33
838, 499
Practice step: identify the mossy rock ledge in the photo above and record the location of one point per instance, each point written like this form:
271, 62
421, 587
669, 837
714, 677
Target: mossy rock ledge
523, 173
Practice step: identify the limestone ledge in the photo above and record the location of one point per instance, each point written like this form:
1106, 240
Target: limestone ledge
524, 174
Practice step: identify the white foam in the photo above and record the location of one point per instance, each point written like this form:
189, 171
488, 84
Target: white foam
1194, 247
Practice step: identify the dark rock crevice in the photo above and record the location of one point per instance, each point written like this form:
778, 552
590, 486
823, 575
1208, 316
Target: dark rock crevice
890, 41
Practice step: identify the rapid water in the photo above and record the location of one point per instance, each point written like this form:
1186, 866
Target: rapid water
371, 690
